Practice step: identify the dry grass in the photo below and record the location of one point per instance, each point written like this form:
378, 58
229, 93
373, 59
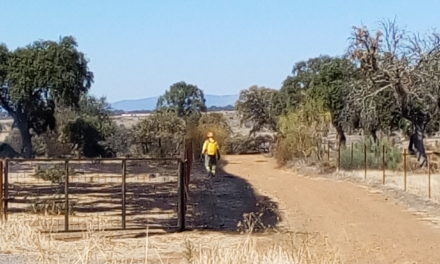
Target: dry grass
22, 237
279, 248
417, 181
288, 248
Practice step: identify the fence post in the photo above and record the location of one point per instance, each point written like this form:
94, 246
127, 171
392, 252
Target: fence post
351, 156
1, 190
365, 161
404, 169
123, 192
6, 189
66, 193
383, 164
429, 175
328, 150
339, 156
181, 207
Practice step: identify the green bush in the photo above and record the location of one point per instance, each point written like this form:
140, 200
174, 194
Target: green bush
55, 174
301, 132
159, 135
393, 155
239, 144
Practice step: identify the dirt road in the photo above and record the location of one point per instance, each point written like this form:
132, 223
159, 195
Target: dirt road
365, 226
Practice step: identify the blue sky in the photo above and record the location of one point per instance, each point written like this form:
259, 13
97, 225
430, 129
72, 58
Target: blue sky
139, 48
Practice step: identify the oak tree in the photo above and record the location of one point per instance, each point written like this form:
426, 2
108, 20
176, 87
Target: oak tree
36, 78
254, 105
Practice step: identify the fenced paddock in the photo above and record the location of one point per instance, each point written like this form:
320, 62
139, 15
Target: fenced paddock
104, 194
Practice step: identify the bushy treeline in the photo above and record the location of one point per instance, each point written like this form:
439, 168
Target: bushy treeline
389, 80
88, 129
44, 88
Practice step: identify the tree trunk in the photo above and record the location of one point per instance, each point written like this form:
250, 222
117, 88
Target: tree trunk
373, 134
161, 151
341, 136
26, 139
416, 144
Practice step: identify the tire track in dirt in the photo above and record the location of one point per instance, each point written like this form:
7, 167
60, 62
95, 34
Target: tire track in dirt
365, 226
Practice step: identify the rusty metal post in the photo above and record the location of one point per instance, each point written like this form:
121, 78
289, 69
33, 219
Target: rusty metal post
66, 193
383, 164
181, 207
1, 191
429, 175
123, 192
6, 190
365, 161
404, 169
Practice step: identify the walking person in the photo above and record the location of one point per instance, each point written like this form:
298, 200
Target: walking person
211, 153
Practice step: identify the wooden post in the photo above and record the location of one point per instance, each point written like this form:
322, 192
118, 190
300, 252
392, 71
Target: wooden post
328, 150
339, 156
6, 190
181, 196
351, 156
404, 169
365, 161
66, 193
383, 164
123, 192
429, 175
1, 191
189, 152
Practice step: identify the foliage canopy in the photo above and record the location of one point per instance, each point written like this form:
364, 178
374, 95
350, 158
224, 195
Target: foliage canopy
36, 78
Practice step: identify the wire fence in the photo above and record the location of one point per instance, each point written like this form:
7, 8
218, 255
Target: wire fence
376, 165
104, 194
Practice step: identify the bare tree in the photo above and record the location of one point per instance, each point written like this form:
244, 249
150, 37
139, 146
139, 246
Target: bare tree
405, 64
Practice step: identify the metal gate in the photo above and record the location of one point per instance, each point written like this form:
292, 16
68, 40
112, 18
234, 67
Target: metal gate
100, 194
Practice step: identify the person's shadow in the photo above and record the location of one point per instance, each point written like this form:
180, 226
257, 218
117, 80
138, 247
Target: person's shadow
228, 203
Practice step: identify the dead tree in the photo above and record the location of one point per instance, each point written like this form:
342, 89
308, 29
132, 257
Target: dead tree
406, 64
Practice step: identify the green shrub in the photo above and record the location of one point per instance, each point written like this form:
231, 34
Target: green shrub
393, 155
301, 132
159, 135
55, 174
239, 144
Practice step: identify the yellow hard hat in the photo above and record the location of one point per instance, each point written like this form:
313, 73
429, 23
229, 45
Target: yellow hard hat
210, 134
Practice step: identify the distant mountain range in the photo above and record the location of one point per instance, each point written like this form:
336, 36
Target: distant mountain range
148, 104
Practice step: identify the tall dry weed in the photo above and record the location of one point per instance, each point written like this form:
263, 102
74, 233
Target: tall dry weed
22, 237
288, 249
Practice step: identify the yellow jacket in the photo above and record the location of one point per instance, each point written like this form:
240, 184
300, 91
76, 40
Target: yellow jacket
210, 147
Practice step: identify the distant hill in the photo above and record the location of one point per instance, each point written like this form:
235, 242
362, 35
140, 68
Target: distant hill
136, 104
148, 104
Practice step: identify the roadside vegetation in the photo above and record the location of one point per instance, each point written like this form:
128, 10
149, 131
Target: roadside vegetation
355, 159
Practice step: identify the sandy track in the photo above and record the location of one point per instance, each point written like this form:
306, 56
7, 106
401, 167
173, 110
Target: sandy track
364, 225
